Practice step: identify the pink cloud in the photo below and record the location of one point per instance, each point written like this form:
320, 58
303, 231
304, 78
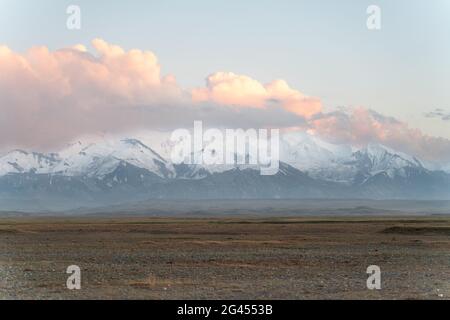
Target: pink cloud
239, 90
361, 126
50, 96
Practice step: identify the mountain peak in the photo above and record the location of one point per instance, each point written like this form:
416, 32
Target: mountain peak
138, 143
382, 154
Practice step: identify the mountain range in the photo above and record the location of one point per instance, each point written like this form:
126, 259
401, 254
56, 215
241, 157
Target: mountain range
125, 170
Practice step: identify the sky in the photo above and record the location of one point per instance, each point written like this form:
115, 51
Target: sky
322, 50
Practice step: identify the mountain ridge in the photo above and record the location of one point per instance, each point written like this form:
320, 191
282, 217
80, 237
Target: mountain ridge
114, 171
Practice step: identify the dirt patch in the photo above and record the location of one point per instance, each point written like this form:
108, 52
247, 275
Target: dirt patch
418, 230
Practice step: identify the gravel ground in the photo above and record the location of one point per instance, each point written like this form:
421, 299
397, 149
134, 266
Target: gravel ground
226, 258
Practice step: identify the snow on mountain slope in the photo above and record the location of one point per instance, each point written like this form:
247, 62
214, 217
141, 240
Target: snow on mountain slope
306, 152
161, 141
19, 161
376, 158
384, 158
342, 163
99, 159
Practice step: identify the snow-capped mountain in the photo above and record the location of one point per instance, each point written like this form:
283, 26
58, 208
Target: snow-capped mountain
100, 159
19, 161
308, 153
320, 159
377, 158
115, 170
343, 163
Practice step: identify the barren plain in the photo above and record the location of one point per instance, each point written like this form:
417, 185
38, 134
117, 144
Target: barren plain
225, 257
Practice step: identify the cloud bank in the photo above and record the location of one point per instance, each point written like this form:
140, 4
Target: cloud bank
48, 98
360, 126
